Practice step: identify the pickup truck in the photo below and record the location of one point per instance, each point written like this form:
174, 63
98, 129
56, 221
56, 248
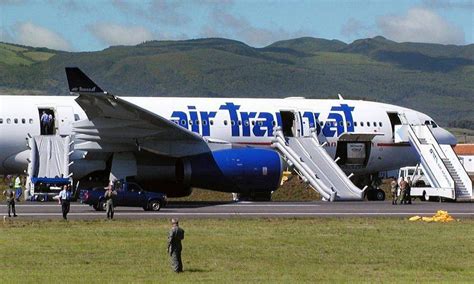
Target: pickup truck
130, 194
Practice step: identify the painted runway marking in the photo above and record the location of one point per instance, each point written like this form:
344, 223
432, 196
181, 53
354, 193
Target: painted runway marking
267, 205
48, 205
245, 214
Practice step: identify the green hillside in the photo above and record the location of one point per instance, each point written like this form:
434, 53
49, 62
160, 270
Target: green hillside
12, 54
436, 79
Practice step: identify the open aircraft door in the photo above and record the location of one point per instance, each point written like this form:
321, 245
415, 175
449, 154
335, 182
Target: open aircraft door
353, 149
296, 124
64, 119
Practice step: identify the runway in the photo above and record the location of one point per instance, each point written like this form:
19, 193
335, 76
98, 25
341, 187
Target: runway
30, 210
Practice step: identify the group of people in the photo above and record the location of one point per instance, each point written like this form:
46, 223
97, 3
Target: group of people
401, 191
47, 123
175, 236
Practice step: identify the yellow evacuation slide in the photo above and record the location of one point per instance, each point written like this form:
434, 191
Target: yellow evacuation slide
440, 216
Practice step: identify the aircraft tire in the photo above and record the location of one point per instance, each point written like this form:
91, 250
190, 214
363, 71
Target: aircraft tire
379, 195
375, 195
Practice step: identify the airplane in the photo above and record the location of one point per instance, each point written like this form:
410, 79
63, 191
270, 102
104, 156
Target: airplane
174, 144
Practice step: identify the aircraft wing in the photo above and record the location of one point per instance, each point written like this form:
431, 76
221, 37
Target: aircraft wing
115, 124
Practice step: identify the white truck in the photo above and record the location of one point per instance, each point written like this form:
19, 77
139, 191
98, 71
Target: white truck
420, 185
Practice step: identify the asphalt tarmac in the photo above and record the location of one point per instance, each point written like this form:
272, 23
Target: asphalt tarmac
51, 210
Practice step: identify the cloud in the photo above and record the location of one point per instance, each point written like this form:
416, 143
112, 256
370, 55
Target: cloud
12, 2
353, 27
113, 34
27, 33
420, 25
5, 35
449, 4
161, 11
71, 6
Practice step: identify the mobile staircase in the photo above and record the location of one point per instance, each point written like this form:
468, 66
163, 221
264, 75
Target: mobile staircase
442, 167
315, 166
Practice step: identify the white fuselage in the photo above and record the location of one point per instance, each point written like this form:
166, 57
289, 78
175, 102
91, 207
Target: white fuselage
238, 121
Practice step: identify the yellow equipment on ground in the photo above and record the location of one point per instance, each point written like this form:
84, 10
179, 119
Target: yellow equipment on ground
440, 216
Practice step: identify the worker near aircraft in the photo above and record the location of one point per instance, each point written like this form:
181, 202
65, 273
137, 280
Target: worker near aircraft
408, 191
403, 188
175, 236
394, 191
18, 189
109, 196
65, 200
10, 198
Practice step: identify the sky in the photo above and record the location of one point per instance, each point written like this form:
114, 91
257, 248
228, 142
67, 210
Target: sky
88, 25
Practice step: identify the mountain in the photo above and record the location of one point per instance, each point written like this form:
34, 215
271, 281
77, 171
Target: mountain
436, 79
308, 45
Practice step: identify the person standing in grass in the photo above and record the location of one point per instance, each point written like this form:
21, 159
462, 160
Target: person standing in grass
175, 236
109, 201
10, 197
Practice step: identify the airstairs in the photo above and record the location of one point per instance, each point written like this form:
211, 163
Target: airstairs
316, 167
441, 165
49, 159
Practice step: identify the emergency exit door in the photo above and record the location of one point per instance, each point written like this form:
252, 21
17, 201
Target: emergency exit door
64, 119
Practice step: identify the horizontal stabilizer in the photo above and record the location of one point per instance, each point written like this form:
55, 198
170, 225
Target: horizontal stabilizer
80, 83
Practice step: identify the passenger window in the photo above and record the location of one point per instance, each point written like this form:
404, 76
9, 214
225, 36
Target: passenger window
348, 123
1, 120
9, 121
225, 122
274, 123
197, 122
31, 121
368, 123
375, 124
246, 123
253, 122
211, 122
232, 122
15, 120
260, 123
204, 122
190, 122
240, 122
23, 120
341, 123
183, 122
355, 123
321, 123
380, 124
361, 123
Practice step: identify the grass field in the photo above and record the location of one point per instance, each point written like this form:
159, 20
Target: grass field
239, 250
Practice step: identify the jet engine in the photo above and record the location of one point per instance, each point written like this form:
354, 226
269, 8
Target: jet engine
243, 170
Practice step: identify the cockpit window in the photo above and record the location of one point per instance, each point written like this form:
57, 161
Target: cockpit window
427, 122
434, 124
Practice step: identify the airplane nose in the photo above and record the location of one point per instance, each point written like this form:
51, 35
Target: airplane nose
444, 137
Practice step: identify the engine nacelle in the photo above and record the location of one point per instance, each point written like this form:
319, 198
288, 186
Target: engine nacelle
243, 170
